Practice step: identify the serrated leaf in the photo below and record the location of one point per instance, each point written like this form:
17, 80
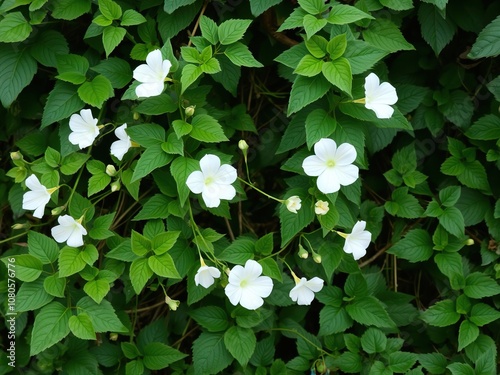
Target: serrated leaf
152, 158
416, 246
258, 7
338, 73
42, 247
487, 44
190, 73
479, 285
14, 28
69, 9
207, 129
112, 36
158, 356
240, 55
140, 273
436, 30
467, 333
210, 355
384, 34
482, 314
70, 261
116, 70
97, 289
212, 318
309, 66
370, 311
306, 90
51, 326
163, 265
373, 341
333, 319
18, 69
54, 285
81, 327
341, 14
240, 342
61, 103
441, 314
232, 30
312, 24
102, 316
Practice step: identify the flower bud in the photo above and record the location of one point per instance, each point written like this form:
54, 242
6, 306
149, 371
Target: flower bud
172, 303
189, 111
321, 207
113, 336
469, 242
136, 116
243, 145
316, 257
57, 211
21, 226
16, 155
110, 170
115, 186
303, 252
293, 204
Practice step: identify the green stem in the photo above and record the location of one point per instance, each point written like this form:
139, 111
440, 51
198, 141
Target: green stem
260, 191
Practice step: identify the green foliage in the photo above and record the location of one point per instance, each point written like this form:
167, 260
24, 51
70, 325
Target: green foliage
156, 286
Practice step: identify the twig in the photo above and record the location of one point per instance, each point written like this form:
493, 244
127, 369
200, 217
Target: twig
195, 28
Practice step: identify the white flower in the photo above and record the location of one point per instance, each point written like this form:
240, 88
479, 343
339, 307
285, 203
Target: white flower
321, 207
206, 275
84, 128
121, 146
213, 181
69, 230
379, 97
37, 198
293, 204
357, 241
247, 287
303, 291
151, 75
332, 165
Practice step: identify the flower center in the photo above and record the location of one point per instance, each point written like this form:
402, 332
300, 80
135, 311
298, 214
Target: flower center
330, 163
209, 180
243, 283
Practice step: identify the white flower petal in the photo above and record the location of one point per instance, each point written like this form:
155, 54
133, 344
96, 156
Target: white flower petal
346, 154
155, 60
120, 148
75, 239
315, 284
346, 174
382, 111
69, 230
33, 183
226, 174
372, 82
205, 276
253, 269
327, 182
358, 240
60, 233
313, 166
144, 74
234, 293
211, 197
325, 149
379, 97
209, 165
121, 133
196, 182
251, 301
148, 89
227, 192
386, 94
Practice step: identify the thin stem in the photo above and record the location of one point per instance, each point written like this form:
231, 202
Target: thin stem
13, 237
195, 28
260, 191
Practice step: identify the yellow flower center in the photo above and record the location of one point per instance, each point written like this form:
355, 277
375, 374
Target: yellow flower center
209, 180
330, 163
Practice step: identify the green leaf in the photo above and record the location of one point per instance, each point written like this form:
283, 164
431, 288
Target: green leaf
487, 43
232, 30
97, 183
458, 368
401, 362
69, 9
81, 327
212, 318
435, 363
373, 341
112, 36
102, 316
486, 128
14, 28
190, 73
479, 285
110, 9
450, 195
309, 66
54, 285
171, 22
436, 30
230, 75
306, 90
32, 296
210, 355
152, 158
100, 229
116, 70
70, 261
147, 135
47, 46
316, 45
61, 103
291, 223
312, 24
28, 267
209, 30
441, 314
258, 7
339, 73
211, 66
163, 265
155, 208
181, 128
334, 319
240, 342
265, 244
416, 246
73, 162
341, 14
453, 221
397, 4
97, 289
312, 6
158, 355
397, 121
131, 18
336, 46
482, 314
181, 168
42, 247
18, 69
467, 333
369, 311
51, 326
239, 55
140, 273
385, 35
270, 268
207, 129
404, 205
171, 5
450, 264
239, 251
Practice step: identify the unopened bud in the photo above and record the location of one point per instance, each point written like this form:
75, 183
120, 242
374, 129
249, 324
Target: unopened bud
243, 145
113, 336
115, 186
189, 111
172, 303
316, 257
21, 226
469, 242
57, 211
303, 252
135, 116
110, 170
16, 155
